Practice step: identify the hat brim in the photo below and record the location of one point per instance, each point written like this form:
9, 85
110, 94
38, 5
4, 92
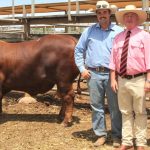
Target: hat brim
142, 15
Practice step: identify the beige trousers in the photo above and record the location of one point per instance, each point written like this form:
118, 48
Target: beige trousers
131, 99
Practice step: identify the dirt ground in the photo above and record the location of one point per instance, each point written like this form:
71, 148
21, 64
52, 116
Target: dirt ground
35, 127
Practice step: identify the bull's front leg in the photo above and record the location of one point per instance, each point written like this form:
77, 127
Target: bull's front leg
66, 111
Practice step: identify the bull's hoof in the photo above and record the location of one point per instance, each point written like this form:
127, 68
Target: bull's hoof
64, 122
68, 124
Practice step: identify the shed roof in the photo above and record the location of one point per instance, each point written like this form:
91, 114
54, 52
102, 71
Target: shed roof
63, 6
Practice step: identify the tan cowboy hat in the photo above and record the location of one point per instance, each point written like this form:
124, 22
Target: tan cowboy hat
105, 5
131, 8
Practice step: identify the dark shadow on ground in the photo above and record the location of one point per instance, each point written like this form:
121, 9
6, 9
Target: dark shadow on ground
48, 99
50, 118
90, 136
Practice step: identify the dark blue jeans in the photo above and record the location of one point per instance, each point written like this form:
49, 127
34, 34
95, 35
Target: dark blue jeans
99, 85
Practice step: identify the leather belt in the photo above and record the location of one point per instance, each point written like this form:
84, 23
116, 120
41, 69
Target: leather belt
99, 69
133, 76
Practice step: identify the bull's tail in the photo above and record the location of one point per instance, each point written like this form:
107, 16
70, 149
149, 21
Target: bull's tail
79, 88
78, 85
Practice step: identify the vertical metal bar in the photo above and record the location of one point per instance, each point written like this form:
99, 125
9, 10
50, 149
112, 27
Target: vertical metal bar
13, 9
32, 7
145, 7
69, 10
77, 7
24, 10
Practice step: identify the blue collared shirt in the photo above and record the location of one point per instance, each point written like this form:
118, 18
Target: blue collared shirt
94, 46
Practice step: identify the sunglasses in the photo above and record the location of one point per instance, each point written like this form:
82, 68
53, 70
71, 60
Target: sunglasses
102, 6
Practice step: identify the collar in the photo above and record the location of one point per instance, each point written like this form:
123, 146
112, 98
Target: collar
133, 30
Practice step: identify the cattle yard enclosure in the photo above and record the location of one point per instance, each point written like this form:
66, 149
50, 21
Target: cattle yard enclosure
69, 17
35, 126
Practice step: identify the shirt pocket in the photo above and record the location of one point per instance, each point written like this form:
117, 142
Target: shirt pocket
136, 50
118, 50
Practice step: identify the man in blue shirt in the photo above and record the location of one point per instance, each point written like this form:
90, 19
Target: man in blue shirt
92, 57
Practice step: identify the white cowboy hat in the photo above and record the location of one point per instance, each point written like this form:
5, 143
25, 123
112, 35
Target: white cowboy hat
105, 5
131, 8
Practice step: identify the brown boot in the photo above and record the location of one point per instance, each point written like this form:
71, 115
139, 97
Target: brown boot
100, 141
126, 147
140, 148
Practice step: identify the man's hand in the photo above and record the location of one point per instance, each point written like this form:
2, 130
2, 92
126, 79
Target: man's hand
147, 86
114, 85
86, 74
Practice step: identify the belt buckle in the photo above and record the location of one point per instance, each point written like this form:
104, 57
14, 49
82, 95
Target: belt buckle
97, 69
102, 69
130, 77
133, 76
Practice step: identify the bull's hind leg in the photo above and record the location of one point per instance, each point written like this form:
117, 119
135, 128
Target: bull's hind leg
0, 106
1, 97
1, 90
66, 111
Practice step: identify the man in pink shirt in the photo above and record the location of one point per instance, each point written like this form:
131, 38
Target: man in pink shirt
130, 75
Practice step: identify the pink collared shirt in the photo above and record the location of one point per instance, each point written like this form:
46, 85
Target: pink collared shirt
138, 59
